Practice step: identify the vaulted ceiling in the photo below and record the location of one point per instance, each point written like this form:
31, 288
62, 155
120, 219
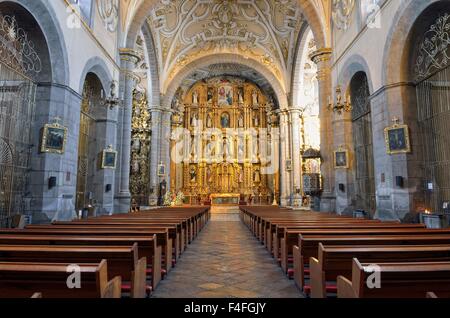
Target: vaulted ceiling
265, 31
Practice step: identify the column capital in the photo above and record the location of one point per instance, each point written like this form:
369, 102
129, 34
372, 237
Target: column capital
127, 54
321, 55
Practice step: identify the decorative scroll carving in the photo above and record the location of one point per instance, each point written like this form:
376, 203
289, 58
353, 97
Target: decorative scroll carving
433, 52
342, 13
264, 30
16, 50
140, 149
109, 12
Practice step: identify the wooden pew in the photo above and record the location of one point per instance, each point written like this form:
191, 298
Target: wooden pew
121, 260
147, 246
398, 280
162, 236
334, 261
20, 280
308, 246
290, 237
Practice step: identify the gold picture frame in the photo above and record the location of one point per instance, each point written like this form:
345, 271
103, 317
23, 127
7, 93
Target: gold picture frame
109, 158
341, 159
397, 139
53, 138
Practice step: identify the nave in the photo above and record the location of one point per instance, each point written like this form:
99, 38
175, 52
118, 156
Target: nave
226, 261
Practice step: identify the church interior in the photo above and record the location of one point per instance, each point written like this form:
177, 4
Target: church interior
224, 148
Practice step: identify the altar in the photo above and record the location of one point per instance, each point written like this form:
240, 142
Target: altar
227, 199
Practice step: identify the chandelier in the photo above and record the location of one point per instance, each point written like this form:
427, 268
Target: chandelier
340, 105
111, 101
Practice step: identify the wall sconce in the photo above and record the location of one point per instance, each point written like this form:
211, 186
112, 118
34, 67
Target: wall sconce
111, 101
340, 105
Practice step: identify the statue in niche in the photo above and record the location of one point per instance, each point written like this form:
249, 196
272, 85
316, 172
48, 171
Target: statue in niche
256, 176
194, 120
195, 98
136, 166
241, 150
256, 121
209, 121
193, 174
209, 175
240, 175
241, 121
241, 96
225, 120
136, 146
210, 96
255, 98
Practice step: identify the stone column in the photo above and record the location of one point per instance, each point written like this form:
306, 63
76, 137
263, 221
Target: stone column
296, 159
154, 155
128, 80
322, 58
285, 175
165, 142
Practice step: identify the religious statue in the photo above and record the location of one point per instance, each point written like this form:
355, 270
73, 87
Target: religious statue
195, 98
256, 121
255, 98
240, 175
194, 120
210, 96
256, 176
241, 96
241, 121
136, 166
209, 175
136, 145
209, 121
193, 174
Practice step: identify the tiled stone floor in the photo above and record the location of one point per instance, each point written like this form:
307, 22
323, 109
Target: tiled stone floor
226, 261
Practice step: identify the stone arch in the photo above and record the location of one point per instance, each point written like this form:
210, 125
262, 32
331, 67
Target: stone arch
98, 67
154, 95
308, 7
299, 61
46, 18
394, 62
224, 58
353, 65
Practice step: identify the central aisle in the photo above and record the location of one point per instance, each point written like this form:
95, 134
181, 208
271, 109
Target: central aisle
226, 261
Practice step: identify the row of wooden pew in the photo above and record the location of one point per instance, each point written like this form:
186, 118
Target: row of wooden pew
123, 255
329, 255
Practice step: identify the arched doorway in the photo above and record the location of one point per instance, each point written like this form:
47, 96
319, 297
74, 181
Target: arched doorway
364, 181
87, 142
23, 53
428, 60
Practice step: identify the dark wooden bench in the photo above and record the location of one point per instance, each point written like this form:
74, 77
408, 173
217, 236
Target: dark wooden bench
398, 280
20, 280
308, 246
121, 260
147, 246
334, 261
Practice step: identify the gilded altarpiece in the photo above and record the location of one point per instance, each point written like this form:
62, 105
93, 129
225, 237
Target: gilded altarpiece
224, 120
140, 149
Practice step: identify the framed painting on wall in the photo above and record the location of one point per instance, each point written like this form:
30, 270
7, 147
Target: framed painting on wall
341, 159
53, 138
109, 158
397, 139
